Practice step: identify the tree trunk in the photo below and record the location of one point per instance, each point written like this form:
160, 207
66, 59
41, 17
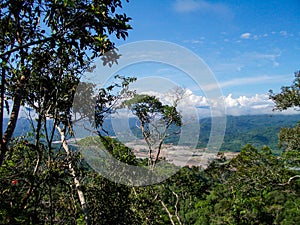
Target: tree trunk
12, 120
2, 110
75, 179
168, 212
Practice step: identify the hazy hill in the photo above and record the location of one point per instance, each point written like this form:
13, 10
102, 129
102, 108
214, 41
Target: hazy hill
257, 130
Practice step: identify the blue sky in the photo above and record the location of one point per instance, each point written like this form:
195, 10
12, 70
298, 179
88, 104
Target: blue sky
251, 46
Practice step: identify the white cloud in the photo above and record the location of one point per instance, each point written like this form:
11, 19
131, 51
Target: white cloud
245, 35
194, 41
253, 105
258, 104
253, 36
283, 33
240, 105
186, 6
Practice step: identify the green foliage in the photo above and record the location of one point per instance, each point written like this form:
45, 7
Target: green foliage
45, 48
36, 189
289, 97
146, 108
178, 194
114, 147
108, 202
154, 122
289, 138
83, 26
247, 195
253, 188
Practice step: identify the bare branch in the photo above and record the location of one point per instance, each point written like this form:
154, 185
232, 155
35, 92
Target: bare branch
176, 208
290, 180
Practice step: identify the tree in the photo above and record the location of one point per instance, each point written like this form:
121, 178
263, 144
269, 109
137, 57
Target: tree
249, 189
39, 34
289, 97
32, 194
109, 202
46, 47
54, 111
289, 138
154, 121
108, 100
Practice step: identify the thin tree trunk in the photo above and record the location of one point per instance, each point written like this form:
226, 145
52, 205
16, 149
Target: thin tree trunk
17, 98
162, 138
176, 208
12, 120
2, 109
75, 179
168, 212
37, 164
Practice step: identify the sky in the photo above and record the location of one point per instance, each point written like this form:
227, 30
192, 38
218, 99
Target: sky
250, 46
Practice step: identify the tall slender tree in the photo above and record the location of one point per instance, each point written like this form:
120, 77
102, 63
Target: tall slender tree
38, 34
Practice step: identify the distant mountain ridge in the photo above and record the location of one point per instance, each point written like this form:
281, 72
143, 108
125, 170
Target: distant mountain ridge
257, 130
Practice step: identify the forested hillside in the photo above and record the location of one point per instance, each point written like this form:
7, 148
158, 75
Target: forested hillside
257, 130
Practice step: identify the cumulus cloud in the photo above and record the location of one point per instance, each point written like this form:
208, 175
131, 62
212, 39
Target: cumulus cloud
282, 33
247, 105
245, 35
236, 106
242, 105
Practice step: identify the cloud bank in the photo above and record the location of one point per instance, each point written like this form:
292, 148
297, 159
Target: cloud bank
204, 107
235, 106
